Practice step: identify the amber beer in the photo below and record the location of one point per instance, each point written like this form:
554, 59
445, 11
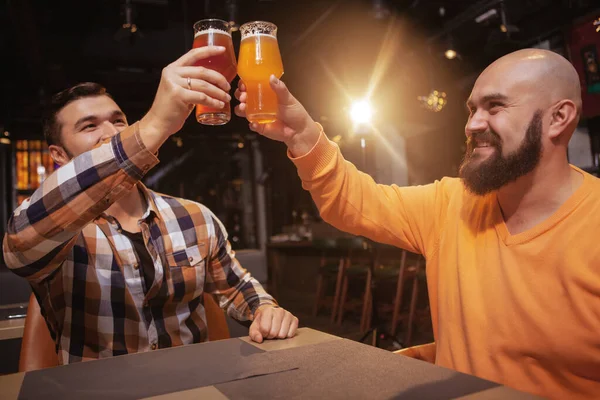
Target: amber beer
259, 58
215, 32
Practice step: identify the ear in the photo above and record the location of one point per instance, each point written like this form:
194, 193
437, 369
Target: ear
58, 154
564, 118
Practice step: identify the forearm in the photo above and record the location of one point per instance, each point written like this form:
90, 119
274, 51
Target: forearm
151, 133
351, 200
303, 142
246, 298
236, 290
71, 198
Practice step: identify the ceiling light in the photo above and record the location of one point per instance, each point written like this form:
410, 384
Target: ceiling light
361, 112
450, 54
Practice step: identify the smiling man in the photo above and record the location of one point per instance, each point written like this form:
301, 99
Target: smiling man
116, 267
513, 262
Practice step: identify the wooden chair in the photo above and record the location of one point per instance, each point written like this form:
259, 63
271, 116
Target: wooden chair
356, 266
406, 271
425, 352
38, 348
330, 267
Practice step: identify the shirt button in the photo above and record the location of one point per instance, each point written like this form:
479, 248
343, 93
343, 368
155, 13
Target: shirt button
146, 167
136, 266
191, 259
153, 347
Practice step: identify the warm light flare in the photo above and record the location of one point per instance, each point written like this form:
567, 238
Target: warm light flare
435, 101
361, 112
384, 58
450, 54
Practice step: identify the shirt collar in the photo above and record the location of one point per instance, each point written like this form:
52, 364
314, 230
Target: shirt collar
150, 212
151, 208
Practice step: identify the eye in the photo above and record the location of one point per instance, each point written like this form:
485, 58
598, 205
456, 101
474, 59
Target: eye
88, 127
120, 121
495, 107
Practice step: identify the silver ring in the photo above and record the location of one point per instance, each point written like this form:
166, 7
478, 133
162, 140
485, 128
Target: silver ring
189, 82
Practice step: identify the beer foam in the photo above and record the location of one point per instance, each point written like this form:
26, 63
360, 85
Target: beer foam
259, 34
211, 31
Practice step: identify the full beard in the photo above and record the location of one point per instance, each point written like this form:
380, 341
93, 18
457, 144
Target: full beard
489, 175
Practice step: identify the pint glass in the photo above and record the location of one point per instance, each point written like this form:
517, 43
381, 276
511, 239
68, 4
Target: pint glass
259, 58
215, 32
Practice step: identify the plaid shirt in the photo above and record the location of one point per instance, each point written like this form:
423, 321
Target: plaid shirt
84, 271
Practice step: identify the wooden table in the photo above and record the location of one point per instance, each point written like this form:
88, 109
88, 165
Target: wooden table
311, 365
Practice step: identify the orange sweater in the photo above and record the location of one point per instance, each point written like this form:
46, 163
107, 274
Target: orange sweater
522, 310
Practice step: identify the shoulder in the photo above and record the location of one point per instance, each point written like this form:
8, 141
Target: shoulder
448, 189
458, 198
589, 191
451, 186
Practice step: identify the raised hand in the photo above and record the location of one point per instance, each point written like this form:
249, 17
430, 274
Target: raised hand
182, 85
294, 126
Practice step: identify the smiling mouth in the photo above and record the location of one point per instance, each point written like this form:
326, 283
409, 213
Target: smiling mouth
483, 148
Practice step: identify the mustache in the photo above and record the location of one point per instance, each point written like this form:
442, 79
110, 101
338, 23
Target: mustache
489, 136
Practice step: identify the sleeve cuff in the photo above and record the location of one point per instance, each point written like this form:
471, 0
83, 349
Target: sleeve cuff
311, 164
131, 153
263, 302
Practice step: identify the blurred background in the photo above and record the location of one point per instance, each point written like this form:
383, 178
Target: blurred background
406, 65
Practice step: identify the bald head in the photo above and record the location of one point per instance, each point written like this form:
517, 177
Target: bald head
545, 72
523, 110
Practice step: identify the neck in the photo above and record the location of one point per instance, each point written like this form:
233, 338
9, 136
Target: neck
128, 209
537, 195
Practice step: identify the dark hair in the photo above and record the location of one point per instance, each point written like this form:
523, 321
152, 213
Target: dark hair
51, 126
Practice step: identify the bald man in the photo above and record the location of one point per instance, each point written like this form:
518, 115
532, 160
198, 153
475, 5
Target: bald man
513, 261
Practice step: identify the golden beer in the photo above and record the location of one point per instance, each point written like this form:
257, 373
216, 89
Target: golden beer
259, 58
215, 32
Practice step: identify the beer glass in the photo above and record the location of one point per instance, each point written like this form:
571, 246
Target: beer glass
259, 58
215, 32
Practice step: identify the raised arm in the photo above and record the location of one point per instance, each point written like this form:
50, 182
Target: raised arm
42, 231
348, 199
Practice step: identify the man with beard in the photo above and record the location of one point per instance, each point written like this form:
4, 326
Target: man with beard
513, 263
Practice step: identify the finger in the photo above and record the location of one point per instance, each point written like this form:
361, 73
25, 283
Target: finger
241, 86
198, 85
285, 325
204, 74
258, 128
278, 315
284, 96
266, 319
293, 327
241, 96
240, 110
197, 54
254, 332
271, 131
193, 97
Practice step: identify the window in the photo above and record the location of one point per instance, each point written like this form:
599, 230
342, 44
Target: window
34, 164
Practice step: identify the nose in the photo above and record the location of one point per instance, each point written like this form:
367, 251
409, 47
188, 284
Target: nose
477, 123
108, 130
